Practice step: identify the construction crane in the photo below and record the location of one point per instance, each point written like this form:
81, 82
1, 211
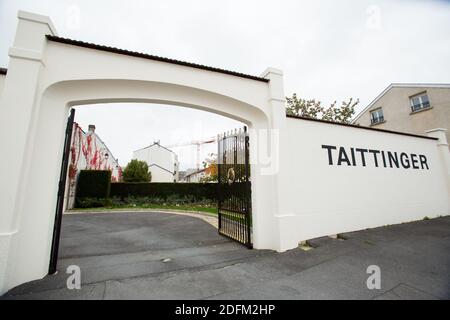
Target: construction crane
197, 143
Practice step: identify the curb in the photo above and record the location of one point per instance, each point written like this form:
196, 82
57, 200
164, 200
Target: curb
209, 218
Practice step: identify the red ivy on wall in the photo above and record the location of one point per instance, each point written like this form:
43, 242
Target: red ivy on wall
85, 144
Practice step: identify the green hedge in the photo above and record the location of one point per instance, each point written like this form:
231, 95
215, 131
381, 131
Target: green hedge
87, 202
93, 184
198, 191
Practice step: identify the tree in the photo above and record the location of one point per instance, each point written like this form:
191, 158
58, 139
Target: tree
314, 109
136, 171
210, 164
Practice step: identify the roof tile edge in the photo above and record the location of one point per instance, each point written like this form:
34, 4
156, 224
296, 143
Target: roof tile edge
151, 57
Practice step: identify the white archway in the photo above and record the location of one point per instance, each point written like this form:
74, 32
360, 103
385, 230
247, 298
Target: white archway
290, 172
49, 75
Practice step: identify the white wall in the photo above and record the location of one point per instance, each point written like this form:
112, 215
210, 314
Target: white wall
88, 152
2, 83
160, 175
42, 86
196, 177
296, 195
94, 155
161, 161
319, 199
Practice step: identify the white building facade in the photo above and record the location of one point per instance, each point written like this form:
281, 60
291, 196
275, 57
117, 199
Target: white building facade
88, 152
308, 178
196, 176
162, 162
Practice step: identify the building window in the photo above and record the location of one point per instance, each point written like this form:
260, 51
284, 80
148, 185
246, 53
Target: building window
419, 102
376, 116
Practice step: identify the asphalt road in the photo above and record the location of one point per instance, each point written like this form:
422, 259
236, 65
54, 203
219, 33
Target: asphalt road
164, 256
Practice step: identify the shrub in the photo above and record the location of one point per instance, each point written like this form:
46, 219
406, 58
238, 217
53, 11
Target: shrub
93, 184
173, 200
164, 190
136, 171
87, 202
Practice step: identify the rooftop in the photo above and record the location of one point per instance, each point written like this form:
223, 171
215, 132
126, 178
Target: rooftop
401, 85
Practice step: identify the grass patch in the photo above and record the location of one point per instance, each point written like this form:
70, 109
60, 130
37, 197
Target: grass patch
186, 207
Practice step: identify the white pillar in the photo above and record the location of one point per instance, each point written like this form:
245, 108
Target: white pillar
276, 96
444, 153
278, 142
16, 128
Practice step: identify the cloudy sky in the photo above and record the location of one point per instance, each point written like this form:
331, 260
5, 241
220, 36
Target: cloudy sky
328, 50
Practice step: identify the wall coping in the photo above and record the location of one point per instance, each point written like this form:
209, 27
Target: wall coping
25, 15
362, 127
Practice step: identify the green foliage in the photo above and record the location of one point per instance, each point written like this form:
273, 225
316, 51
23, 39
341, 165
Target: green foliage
165, 190
172, 200
136, 171
314, 109
88, 202
93, 184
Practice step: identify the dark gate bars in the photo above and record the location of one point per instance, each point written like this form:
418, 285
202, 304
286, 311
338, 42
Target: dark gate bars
234, 188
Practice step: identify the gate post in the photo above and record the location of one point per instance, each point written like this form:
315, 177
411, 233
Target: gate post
17, 123
444, 153
276, 138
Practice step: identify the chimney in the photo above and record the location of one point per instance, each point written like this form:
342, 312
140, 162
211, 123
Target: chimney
91, 128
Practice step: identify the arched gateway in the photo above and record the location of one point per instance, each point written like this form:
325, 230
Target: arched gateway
48, 75
309, 178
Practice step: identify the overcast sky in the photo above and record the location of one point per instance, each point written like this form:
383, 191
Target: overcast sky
328, 50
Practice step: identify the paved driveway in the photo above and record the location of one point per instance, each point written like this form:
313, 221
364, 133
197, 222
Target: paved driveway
165, 256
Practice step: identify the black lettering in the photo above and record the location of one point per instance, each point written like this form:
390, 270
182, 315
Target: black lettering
343, 157
414, 161
393, 158
330, 156
375, 158
352, 151
405, 160
423, 161
384, 158
363, 159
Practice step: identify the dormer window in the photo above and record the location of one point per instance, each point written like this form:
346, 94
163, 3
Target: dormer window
376, 116
419, 102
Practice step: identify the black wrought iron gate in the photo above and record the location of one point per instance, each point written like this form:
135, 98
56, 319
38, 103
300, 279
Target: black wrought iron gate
234, 188
61, 191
